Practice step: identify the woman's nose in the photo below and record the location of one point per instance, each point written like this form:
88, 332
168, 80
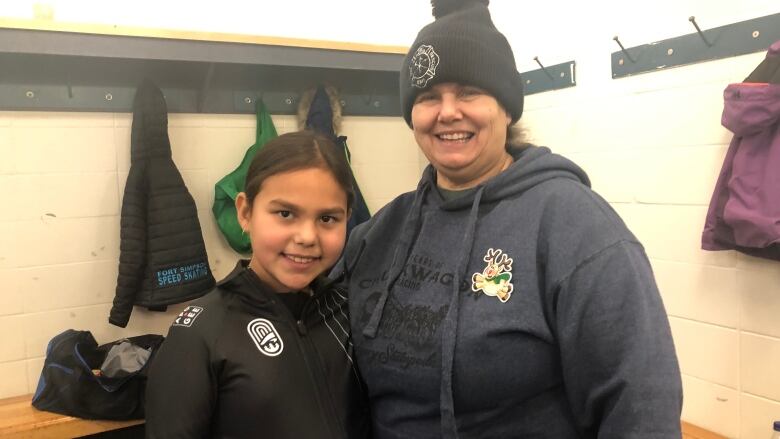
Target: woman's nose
449, 109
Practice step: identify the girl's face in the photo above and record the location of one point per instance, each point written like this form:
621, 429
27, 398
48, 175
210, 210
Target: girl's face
297, 226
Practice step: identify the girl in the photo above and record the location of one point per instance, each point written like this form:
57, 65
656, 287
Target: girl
267, 353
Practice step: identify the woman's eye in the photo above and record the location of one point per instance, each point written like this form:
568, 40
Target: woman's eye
422, 97
284, 213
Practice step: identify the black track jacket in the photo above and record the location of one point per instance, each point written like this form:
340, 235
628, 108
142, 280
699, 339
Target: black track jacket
236, 364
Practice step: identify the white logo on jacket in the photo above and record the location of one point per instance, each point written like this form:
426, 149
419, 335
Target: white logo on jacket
267, 340
423, 65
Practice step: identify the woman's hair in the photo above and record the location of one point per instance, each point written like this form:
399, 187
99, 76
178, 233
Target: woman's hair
515, 136
295, 151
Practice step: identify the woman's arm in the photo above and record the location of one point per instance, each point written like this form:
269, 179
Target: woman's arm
618, 359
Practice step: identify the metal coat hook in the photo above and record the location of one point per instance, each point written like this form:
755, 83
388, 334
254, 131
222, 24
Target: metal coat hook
536, 58
623, 49
692, 19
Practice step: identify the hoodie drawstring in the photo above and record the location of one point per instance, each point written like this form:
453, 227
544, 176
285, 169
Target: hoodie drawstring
400, 256
449, 327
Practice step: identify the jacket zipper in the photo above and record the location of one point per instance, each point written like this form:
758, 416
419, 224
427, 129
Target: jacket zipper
329, 413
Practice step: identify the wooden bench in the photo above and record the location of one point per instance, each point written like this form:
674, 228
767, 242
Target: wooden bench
19, 419
690, 431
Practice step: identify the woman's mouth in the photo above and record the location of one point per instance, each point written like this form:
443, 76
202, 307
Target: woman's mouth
462, 136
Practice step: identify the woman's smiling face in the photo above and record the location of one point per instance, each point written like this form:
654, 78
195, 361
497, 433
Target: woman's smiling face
461, 129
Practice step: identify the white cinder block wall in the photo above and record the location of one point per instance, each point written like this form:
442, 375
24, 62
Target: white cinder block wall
652, 144
62, 177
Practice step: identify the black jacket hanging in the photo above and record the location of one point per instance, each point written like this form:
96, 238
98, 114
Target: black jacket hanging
162, 257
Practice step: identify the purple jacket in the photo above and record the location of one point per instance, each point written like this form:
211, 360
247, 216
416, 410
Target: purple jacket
744, 212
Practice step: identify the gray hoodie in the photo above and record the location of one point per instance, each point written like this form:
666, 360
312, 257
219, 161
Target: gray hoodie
524, 308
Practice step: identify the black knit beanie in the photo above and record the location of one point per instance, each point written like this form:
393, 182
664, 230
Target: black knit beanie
462, 46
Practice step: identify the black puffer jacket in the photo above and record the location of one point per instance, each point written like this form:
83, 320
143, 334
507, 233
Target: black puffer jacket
163, 259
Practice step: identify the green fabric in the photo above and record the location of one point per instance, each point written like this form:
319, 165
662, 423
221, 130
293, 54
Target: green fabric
229, 186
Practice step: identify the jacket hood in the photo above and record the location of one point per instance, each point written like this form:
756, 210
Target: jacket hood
751, 108
532, 165
754, 105
149, 135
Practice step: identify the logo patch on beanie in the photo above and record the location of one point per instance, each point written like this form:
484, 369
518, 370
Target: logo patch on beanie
496, 279
423, 65
265, 337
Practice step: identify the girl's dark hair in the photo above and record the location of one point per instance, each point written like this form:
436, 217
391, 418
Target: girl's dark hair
295, 151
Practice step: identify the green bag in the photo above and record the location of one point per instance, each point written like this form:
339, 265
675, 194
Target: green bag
229, 186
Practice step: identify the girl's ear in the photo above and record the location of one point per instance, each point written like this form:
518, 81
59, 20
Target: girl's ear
243, 211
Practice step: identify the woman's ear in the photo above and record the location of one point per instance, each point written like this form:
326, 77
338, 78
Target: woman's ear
243, 211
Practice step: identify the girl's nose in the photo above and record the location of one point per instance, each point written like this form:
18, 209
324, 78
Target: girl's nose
306, 234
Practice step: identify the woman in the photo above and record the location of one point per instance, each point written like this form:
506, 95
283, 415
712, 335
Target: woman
267, 353
502, 298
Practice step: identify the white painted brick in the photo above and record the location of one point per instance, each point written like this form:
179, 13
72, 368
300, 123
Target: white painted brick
7, 157
224, 148
386, 181
677, 175
51, 241
11, 298
707, 351
380, 140
12, 198
200, 187
699, 292
760, 296
14, 382
222, 258
9, 237
34, 367
56, 119
612, 173
11, 341
759, 357
122, 142
711, 406
123, 120
673, 233
284, 121
188, 149
6, 117
177, 120
758, 416
63, 150
553, 127
39, 328
67, 286
375, 204
66, 195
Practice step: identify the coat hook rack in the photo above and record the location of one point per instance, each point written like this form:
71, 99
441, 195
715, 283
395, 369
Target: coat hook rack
741, 38
536, 58
549, 78
623, 49
692, 19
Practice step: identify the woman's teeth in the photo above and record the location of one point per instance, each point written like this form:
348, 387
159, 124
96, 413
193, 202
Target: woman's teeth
455, 136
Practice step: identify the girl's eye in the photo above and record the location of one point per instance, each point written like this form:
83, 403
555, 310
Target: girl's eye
284, 213
327, 219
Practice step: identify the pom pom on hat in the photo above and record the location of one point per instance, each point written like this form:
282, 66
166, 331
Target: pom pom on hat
444, 7
463, 46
